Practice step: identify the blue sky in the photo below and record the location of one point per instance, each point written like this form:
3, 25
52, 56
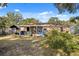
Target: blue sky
40, 11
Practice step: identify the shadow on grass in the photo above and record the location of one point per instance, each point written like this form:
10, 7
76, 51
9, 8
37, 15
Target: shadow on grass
18, 48
14, 47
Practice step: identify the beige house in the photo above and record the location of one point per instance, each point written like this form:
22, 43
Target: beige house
41, 28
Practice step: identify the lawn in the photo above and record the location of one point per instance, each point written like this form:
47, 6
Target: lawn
24, 46
21, 46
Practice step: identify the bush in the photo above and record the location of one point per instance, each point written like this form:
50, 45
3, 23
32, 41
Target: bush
59, 41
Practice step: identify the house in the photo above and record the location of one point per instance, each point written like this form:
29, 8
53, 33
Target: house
40, 29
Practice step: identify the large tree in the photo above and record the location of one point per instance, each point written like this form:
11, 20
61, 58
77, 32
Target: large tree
28, 20
55, 20
14, 18
10, 19
3, 4
3, 24
72, 20
70, 7
18, 17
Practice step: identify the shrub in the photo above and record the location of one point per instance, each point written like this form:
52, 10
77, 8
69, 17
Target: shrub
59, 41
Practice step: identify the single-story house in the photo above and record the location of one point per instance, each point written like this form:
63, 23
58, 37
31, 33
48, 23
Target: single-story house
38, 29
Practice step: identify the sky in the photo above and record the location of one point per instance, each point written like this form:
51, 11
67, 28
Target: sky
40, 11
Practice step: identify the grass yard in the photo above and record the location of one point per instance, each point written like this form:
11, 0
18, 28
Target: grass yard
12, 45
18, 46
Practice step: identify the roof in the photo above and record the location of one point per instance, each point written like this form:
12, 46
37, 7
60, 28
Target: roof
14, 26
44, 24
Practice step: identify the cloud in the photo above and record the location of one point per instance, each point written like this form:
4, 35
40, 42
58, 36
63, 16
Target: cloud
61, 15
16, 10
2, 7
42, 16
46, 13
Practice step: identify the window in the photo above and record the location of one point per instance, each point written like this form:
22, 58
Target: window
27, 28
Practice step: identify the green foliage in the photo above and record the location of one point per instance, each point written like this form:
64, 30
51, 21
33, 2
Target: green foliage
27, 21
70, 7
14, 18
10, 19
72, 20
3, 24
53, 20
58, 40
3, 4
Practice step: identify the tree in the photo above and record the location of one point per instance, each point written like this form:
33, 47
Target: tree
72, 20
70, 7
9, 20
52, 20
77, 18
3, 4
28, 20
58, 41
18, 17
3, 24
14, 18
55, 20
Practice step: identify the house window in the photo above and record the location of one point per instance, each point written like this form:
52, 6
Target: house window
27, 28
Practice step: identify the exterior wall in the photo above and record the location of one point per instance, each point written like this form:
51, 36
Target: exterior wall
48, 27
7, 30
65, 29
